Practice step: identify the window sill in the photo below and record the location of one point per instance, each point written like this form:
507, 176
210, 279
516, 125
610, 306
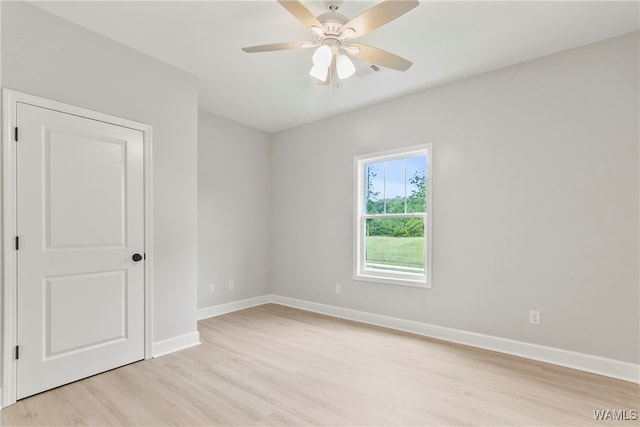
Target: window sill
372, 277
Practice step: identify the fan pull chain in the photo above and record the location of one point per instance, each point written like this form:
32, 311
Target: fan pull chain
330, 80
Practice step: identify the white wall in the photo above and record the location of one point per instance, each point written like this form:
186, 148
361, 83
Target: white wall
53, 58
535, 198
234, 204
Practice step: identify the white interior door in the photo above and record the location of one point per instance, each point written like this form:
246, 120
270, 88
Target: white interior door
80, 220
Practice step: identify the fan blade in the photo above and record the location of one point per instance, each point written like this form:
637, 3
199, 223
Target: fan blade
274, 46
298, 10
380, 14
379, 57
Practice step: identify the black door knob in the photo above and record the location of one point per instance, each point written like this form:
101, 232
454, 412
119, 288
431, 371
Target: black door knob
136, 257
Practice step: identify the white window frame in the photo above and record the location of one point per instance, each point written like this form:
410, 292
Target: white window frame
360, 272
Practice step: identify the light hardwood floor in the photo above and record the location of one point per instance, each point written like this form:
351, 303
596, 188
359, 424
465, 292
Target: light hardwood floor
273, 365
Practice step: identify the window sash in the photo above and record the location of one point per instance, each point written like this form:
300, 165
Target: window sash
364, 172
402, 215
363, 242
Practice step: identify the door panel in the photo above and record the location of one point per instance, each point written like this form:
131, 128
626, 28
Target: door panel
84, 310
75, 205
80, 216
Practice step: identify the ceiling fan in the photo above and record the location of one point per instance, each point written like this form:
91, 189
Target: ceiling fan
333, 34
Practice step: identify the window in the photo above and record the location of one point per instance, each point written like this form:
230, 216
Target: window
393, 217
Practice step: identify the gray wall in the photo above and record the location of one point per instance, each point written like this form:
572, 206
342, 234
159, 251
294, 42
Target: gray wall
234, 204
535, 198
47, 56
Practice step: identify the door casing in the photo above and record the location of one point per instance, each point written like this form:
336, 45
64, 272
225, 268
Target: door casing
10, 99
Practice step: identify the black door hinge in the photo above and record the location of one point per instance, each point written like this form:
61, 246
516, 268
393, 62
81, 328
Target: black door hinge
17, 352
15, 133
17, 243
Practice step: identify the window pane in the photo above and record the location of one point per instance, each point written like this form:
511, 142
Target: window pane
374, 188
417, 184
395, 244
394, 186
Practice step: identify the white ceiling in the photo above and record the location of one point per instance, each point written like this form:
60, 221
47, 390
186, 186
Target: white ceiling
446, 40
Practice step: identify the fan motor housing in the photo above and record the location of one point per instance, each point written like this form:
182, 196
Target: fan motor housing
333, 23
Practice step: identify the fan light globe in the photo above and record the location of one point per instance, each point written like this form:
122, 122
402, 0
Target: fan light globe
319, 72
322, 56
344, 67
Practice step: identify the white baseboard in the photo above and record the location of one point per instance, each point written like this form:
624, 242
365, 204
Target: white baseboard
570, 359
217, 310
181, 342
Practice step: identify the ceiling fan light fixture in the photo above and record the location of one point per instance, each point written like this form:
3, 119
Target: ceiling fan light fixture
319, 72
331, 31
344, 67
322, 56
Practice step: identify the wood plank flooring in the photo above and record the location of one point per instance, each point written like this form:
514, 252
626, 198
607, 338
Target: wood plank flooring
273, 366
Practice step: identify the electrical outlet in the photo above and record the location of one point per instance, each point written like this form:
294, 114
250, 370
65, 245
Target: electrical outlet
338, 289
212, 288
231, 284
534, 317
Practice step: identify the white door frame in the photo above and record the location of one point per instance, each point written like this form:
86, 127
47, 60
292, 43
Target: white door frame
10, 99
